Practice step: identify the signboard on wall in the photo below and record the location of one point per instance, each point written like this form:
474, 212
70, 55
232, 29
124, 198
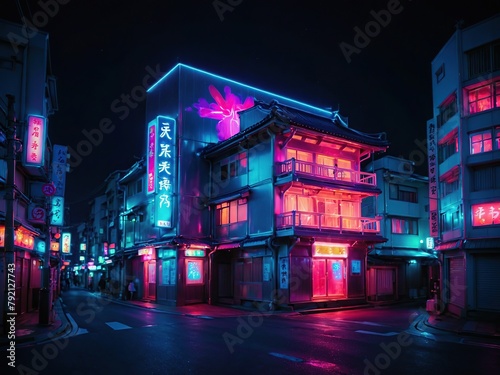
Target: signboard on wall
66, 243
57, 211
433, 185
161, 161
485, 214
34, 147
59, 158
283, 273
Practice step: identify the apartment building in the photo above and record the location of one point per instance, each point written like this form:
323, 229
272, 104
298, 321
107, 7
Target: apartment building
464, 164
406, 265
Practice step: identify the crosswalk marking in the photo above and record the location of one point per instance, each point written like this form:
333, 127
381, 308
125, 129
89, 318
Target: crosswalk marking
117, 326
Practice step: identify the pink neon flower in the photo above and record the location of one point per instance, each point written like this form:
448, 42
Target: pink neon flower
225, 110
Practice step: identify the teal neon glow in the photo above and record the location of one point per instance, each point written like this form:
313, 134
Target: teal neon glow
324, 111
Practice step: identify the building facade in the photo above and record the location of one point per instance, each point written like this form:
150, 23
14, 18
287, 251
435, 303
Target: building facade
245, 197
464, 164
28, 177
405, 266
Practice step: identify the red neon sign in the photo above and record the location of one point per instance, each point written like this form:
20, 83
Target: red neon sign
485, 214
35, 144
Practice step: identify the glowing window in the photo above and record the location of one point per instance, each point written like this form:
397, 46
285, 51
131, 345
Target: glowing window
231, 212
194, 271
404, 226
497, 138
480, 99
497, 94
480, 142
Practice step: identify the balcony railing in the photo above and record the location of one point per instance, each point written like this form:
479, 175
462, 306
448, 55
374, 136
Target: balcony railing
325, 171
321, 221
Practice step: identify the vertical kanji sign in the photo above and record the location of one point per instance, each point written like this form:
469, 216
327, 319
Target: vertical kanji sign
433, 185
34, 148
161, 161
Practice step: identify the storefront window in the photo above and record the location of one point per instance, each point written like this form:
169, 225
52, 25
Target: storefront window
168, 272
194, 271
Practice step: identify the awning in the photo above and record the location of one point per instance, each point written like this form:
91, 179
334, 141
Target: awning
401, 253
483, 243
228, 246
449, 245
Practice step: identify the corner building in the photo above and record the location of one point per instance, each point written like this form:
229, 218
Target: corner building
258, 196
464, 169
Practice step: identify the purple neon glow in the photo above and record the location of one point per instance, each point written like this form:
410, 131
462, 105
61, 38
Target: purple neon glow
223, 109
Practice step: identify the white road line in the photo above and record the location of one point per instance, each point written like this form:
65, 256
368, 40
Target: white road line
74, 326
378, 333
118, 326
81, 331
288, 357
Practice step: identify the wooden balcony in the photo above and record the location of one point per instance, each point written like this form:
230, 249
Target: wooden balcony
293, 166
289, 221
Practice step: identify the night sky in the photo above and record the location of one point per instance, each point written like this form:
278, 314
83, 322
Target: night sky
101, 50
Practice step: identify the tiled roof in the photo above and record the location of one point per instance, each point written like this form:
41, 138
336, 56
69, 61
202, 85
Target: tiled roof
333, 126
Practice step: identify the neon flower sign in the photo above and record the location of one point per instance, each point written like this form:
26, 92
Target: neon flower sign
225, 110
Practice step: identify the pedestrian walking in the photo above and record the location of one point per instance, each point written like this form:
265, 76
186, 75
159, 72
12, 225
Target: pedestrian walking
131, 289
102, 284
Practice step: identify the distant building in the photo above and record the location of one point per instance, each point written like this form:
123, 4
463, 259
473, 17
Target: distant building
404, 266
464, 168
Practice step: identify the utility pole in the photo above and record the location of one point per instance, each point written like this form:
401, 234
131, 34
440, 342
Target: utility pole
9, 265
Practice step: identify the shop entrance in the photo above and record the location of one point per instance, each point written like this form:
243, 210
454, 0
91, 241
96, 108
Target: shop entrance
329, 278
150, 280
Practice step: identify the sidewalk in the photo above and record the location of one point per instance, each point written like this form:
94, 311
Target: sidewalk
460, 326
29, 331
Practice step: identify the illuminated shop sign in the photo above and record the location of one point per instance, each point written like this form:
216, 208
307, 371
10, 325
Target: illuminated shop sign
59, 163
485, 214
66, 243
145, 251
21, 238
57, 213
433, 184
225, 109
194, 271
166, 253
326, 249
112, 249
161, 162
151, 157
83, 246
195, 253
105, 248
35, 141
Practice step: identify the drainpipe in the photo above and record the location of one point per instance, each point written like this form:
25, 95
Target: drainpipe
210, 275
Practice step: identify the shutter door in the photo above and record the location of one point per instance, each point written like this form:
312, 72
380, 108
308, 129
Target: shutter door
457, 282
488, 282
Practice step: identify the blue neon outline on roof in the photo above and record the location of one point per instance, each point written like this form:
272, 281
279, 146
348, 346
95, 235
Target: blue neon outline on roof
329, 113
